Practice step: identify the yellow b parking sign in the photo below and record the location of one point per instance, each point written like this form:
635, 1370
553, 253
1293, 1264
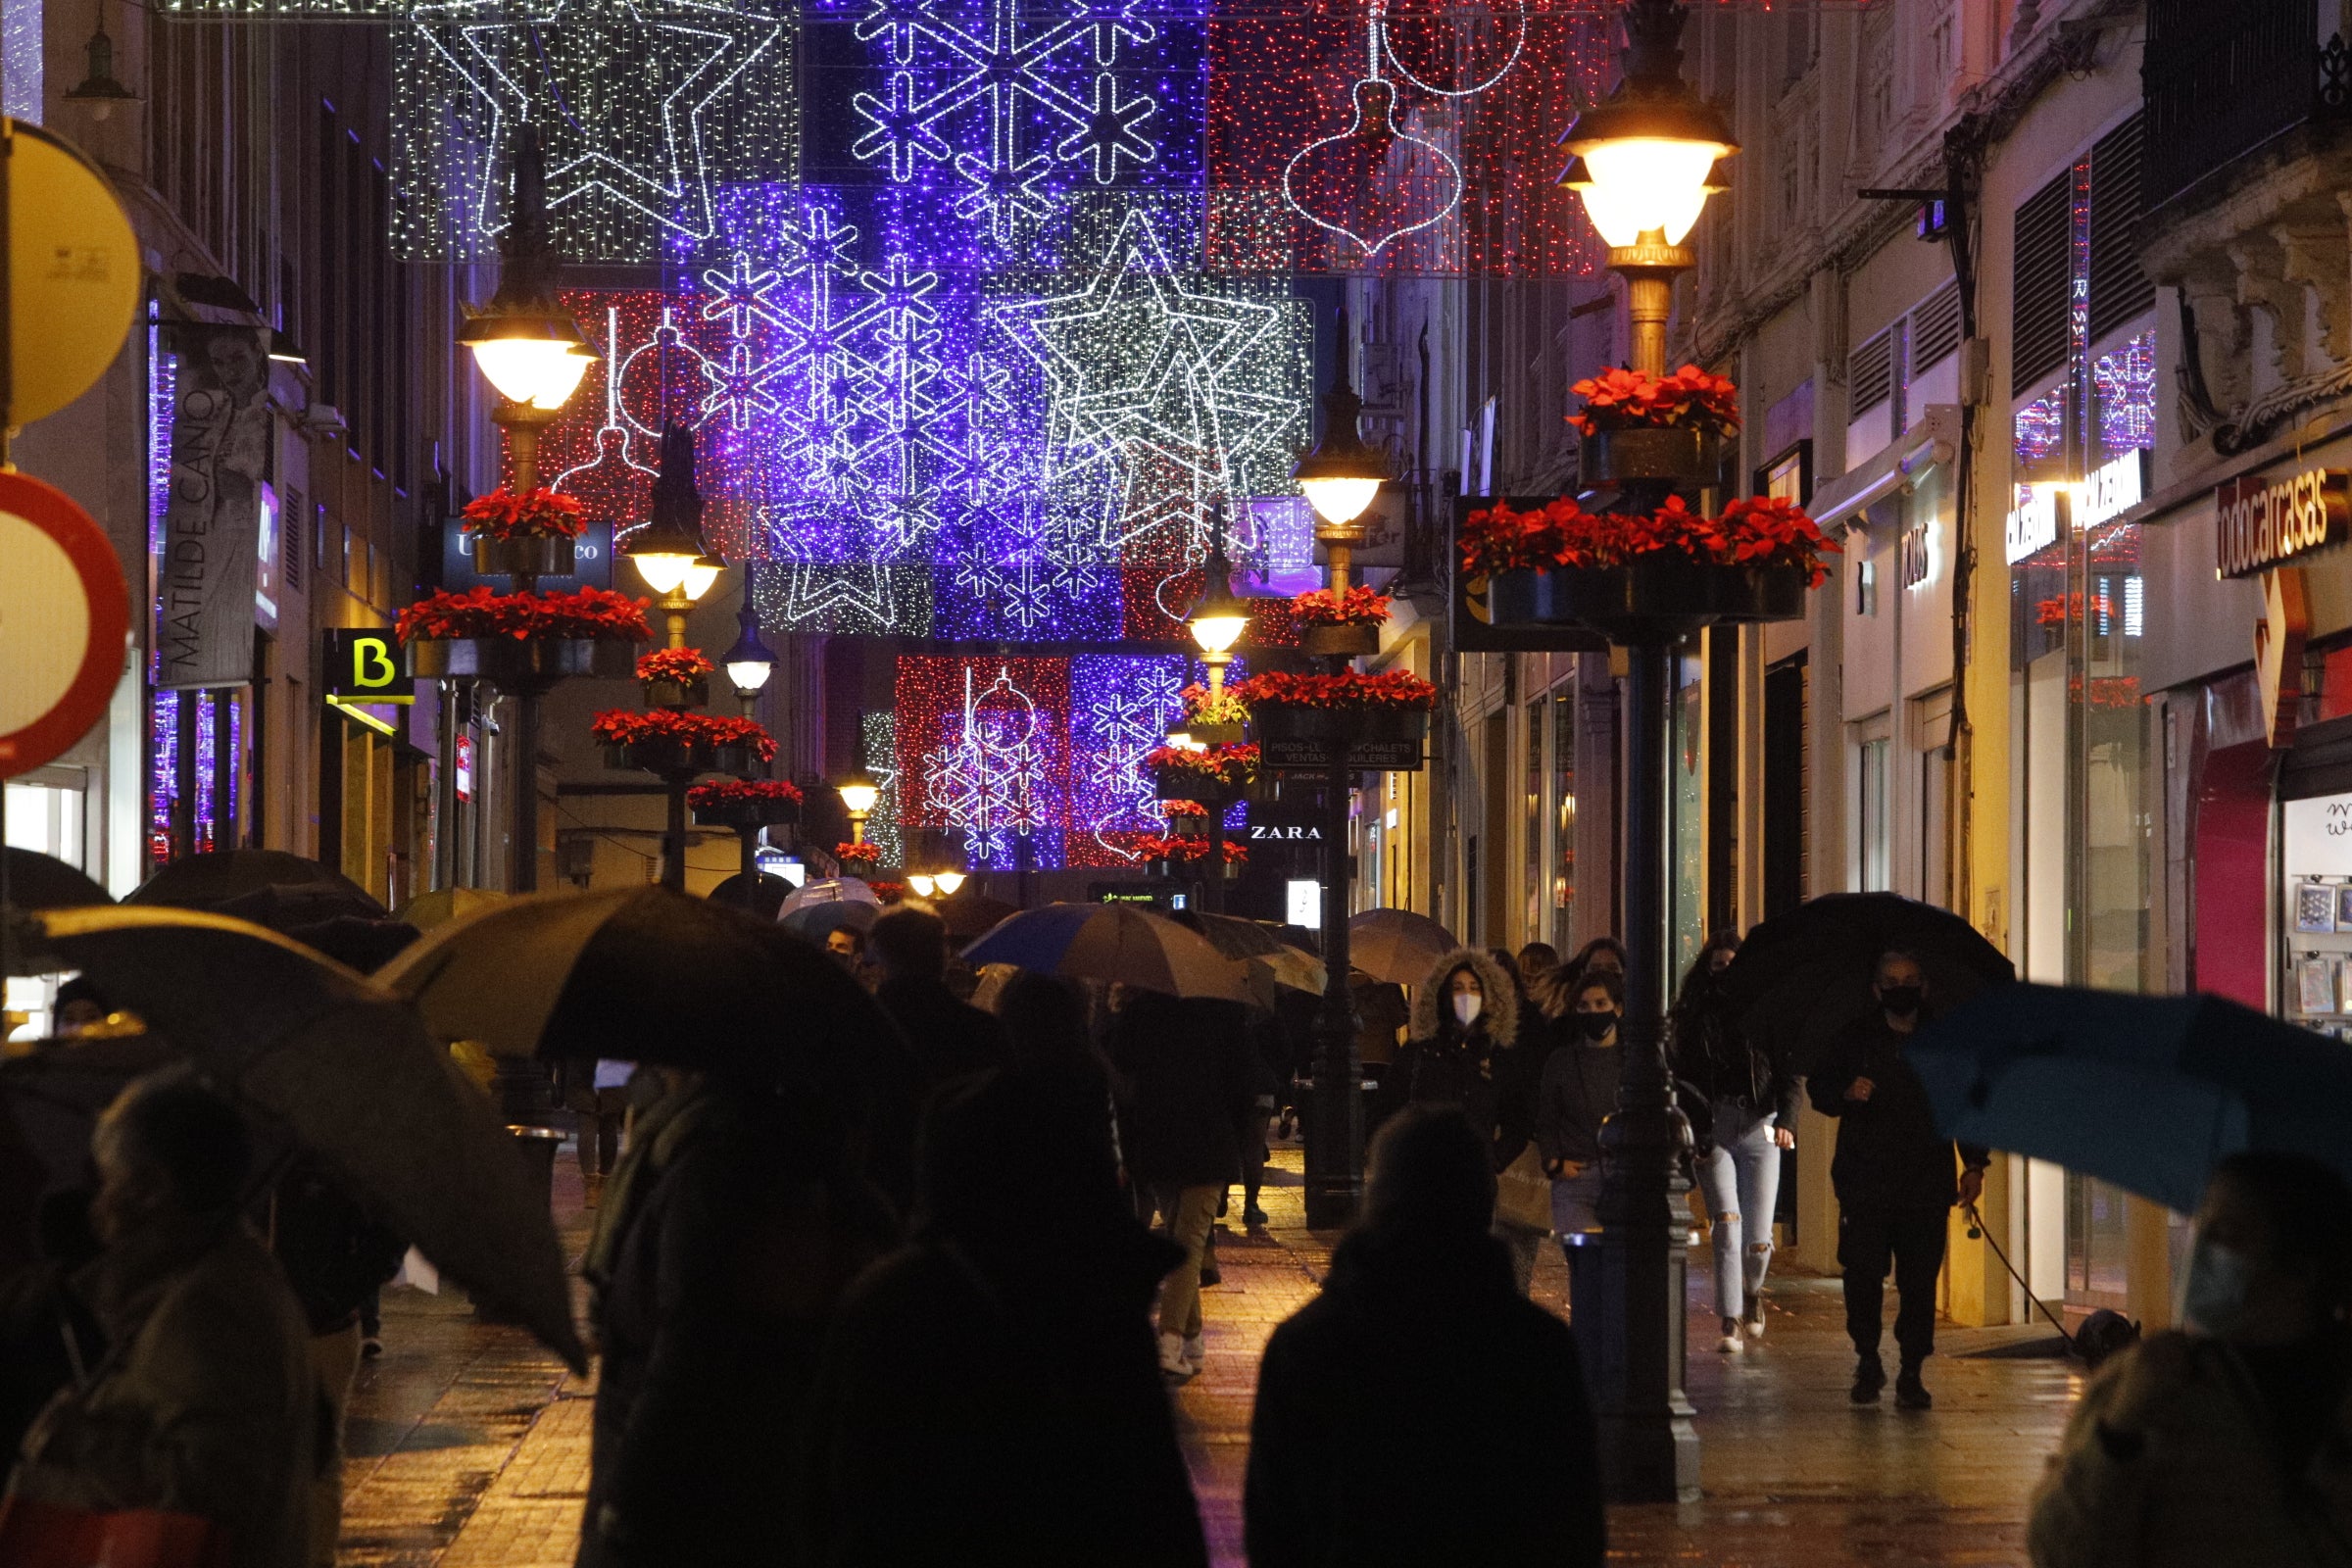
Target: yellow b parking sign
367, 666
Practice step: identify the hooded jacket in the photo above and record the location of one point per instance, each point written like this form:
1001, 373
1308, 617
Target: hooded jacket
1444, 1063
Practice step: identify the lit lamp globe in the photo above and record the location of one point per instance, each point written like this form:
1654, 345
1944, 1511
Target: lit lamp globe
750, 662
946, 882
922, 883
858, 793
536, 360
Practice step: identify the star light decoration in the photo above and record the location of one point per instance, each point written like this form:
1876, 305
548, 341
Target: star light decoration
1049, 749
920, 446
646, 108
878, 751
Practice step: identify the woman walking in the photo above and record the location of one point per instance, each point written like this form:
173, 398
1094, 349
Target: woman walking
1464, 1050
1755, 1118
1576, 1093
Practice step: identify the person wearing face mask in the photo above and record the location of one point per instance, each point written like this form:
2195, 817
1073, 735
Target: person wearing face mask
1895, 1176
1462, 1050
1753, 1105
2229, 1441
1577, 1094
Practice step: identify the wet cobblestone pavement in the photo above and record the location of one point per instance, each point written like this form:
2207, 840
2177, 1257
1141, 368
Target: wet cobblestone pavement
471, 1444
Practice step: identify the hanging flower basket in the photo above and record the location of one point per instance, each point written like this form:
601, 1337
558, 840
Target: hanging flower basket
1279, 725
1215, 776
1521, 597
1687, 460
589, 614
523, 555
511, 665
745, 805
505, 514
680, 745
1310, 722
674, 758
1346, 639
675, 679
1663, 597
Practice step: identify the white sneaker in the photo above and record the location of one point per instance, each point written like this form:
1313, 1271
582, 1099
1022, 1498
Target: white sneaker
1196, 1352
1754, 1321
1731, 1344
1172, 1363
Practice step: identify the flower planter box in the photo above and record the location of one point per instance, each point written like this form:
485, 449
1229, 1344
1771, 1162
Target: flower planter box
745, 815
1685, 459
1375, 739
525, 555
1519, 598
1183, 784
680, 695
1216, 734
1331, 642
674, 759
1669, 597
511, 664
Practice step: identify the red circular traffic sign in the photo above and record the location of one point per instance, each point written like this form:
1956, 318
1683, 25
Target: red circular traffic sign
64, 615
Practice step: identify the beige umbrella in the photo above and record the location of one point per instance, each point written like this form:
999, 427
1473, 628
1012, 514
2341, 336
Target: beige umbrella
1114, 943
1398, 945
443, 904
350, 1072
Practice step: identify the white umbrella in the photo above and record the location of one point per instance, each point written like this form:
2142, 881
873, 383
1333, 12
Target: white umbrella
832, 890
1397, 945
1114, 943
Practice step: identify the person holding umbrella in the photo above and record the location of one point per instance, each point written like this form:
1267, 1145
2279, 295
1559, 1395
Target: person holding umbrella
1895, 1178
2230, 1441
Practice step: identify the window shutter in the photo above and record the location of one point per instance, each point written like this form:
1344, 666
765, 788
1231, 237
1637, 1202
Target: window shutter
1870, 374
1936, 328
2039, 280
2119, 289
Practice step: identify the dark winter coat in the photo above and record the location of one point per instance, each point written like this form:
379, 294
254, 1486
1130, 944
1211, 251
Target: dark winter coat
1889, 1154
1443, 1063
335, 1253
1577, 1094
725, 1239
1421, 1411
990, 1392
1185, 1089
951, 1039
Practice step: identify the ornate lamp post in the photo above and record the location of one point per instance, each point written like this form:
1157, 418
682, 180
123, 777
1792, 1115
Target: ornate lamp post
1216, 623
858, 793
529, 349
1341, 476
1644, 162
750, 662
668, 551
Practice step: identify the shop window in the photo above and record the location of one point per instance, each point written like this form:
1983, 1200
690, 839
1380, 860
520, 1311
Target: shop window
1563, 817
1875, 858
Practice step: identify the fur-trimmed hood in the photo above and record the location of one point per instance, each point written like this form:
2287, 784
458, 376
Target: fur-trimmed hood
1500, 1015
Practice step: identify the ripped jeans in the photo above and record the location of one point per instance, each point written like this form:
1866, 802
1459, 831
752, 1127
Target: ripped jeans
1741, 1180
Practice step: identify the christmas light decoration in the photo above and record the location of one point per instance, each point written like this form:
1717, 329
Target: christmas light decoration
645, 111
878, 751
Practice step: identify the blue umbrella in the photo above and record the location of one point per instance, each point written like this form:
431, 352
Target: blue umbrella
2148, 1093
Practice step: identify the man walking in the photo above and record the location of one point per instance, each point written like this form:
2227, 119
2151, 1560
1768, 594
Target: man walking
1896, 1181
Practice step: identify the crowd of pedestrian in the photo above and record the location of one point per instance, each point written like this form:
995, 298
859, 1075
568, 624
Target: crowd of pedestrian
829, 1335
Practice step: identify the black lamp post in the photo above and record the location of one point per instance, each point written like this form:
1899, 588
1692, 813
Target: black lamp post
1340, 479
1645, 164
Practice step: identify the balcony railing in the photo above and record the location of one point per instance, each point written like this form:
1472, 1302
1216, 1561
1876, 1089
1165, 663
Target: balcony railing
2220, 79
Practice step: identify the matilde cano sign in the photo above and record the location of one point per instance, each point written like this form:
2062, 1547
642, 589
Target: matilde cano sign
2263, 523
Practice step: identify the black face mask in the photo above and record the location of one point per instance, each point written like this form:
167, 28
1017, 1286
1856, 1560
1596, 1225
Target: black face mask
1901, 1001
1596, 1025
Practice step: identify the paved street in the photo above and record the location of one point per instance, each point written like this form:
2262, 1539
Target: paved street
470, 1445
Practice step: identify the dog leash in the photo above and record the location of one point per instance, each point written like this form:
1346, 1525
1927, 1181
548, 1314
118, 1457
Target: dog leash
1978, 1232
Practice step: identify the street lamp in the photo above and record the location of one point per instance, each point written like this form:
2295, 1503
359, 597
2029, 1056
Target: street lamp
1218, 619
922, 883
946, 882
668, 551
1644, 163
858, 793
750, 662
525, 344
1340, 476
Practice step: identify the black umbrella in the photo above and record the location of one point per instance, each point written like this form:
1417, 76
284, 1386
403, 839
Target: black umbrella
1801, 977
267, 887
637, 974
37, 881
768, 893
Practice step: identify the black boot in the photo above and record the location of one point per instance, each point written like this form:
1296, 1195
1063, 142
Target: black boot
1870, 1376
1910, 1393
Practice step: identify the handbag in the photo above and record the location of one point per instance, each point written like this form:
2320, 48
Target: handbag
54, 1535
1523, 1192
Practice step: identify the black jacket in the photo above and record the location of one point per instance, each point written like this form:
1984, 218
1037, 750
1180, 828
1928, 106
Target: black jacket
1889, 1154
1422, 1411
1185, 1089
1712, 1053
951, 1039
732, 1237
1576, 1093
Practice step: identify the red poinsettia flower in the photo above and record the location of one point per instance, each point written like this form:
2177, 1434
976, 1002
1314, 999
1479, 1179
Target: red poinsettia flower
685, 665
1228, 766
1357, 607
1687, 399
618, 726
727, 791
1153, 848
857, 854
1759, 531
1390, 688
1200, 709
590, 613
505, 514
1172, 810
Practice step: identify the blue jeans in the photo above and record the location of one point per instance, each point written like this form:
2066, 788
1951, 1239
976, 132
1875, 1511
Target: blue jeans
1741, 1180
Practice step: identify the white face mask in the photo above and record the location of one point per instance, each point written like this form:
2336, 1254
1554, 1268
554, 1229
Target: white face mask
2213, 1297
1467, 1005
